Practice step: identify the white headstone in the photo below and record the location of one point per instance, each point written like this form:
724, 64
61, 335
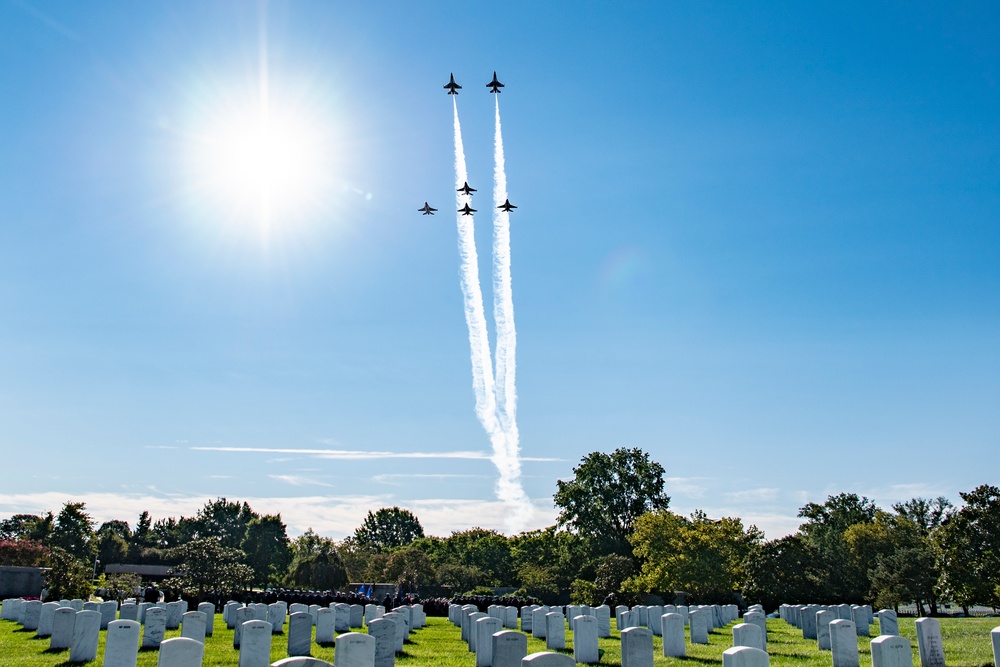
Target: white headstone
526, 617
181, 652
995, 636
808, 617
672, 625
748, 634
538, 627
823, 619
32, 614
585, 640
86, 632
888, 623
546, 659
193, 624
45, 616
653, 614
745, 656
844, 643
760, 620
342, 622
473, 617
484, 630
255, 644
555, 631
891, 651
401, 627
300, 627
208, 609
383, 630
509, 648
243, 615
109, 610
63, 623
860, 620
175, 610
357, 616
229, 614
603, 616
121, 648
301, 661
129, 612
698, 620
929, 642
276, 616
155, 627
354, 650
637, 647
325, 626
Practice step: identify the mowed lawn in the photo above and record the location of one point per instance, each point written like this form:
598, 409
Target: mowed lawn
966, 643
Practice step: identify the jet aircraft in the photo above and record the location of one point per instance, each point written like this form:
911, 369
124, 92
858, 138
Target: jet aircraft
427, 209
466, 190
494, 84
466, 210
452, 86
506, 206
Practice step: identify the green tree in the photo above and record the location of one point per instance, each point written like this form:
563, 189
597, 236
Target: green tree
781, 571
567, 555
387, 529
227, 521
67, 578
968, 547
486, 550
74, 532
843, 578
317, 564
459, 578
607, 495
704, 557
112, 540
267, 549
611, 572
27, 526
538, 582
409, 569
206, 564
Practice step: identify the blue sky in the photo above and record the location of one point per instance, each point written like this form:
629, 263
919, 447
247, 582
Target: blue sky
759, 242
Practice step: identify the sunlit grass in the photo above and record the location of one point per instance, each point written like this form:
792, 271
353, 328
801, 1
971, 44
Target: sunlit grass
966, 644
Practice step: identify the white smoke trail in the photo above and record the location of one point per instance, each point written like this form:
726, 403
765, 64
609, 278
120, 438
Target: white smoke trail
482, 368
503, 315
508, 486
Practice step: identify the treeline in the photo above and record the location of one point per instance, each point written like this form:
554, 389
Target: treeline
615, 535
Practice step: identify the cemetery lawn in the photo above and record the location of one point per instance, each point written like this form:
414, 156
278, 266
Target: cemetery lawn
966, 644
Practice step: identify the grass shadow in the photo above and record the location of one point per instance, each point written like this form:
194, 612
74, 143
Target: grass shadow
54, 651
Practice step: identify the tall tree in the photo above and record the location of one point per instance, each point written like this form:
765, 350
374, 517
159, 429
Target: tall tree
968, 544
267, 548
74, 532
782, 570
206, 564
703, 557
486, 550
225, 520
387, 529
608, 494
843, 577
316, 563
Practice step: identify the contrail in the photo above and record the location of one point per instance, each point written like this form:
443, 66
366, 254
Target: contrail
482, 368
508, 486
506, 347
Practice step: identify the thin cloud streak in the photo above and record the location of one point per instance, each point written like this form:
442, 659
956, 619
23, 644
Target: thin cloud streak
365, 455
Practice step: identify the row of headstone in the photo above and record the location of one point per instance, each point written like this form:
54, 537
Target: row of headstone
805, 618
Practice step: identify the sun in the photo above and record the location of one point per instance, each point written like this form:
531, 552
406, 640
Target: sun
261, 163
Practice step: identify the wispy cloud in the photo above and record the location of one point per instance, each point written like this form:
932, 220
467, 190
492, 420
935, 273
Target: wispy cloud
363, 454
398, 478
762, 495
300, 480
693, 487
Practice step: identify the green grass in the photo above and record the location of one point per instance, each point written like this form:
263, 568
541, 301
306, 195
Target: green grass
966, 644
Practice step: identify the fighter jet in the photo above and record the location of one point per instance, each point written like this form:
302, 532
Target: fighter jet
466, 190
506, 206
466, 210
494, 84
426, 208
452, 86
